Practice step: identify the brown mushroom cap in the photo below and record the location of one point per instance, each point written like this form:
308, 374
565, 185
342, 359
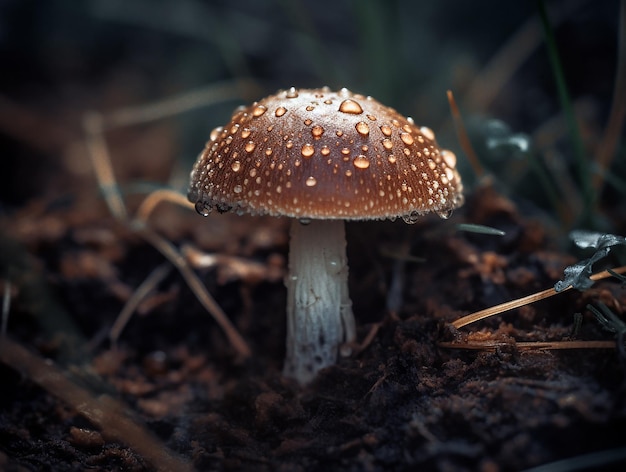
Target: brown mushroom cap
324, 155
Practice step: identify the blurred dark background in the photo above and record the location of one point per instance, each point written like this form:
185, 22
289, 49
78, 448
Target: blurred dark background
61, 57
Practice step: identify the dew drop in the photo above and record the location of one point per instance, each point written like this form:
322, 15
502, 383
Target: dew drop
289, 144
411, 218
204, 208
387, 144
406, 138
280, 111
245, 133
351, 107
450, 174
250, 145
361, 162
325, 151
428, 133
259, 110
307, 150
308, 122
445, 214
371, 117
216, 132
234, 128
237, 189
292, 93
345, 151
348, 173
268, 152
386, 130
310, 182
362, 128
391, 158
235, 166
317, 131
449, 157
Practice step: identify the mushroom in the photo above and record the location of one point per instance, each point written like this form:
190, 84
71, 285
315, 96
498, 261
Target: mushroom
322, 157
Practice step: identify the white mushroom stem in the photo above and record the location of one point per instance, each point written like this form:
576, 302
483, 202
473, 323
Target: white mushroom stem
319, 310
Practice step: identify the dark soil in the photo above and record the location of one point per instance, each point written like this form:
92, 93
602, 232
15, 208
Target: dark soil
399, 403
172, 393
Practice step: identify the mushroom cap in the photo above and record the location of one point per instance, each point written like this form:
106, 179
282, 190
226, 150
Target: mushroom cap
319, 154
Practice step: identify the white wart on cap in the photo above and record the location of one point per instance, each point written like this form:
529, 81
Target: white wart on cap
318, 154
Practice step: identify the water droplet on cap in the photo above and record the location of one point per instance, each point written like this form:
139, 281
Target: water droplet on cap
310, 182
406, 138
428, 133
445, 214
204, 208
386, 130
363, 128
250, 145
449, 157
216, 132
411, 218
235, 166
258, 111
387, 144
317, 131
351, 107
361, 162
237, 189
307, 150
280, 111
292, 93
245, 133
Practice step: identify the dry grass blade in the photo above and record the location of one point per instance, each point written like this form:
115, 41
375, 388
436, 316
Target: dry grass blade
531, 345
6, 306
214, 93
151, 201
196, 286
492, 78
96, 144
613, 132
102, 411
463, 137
507, 306
99, 153
155, 277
